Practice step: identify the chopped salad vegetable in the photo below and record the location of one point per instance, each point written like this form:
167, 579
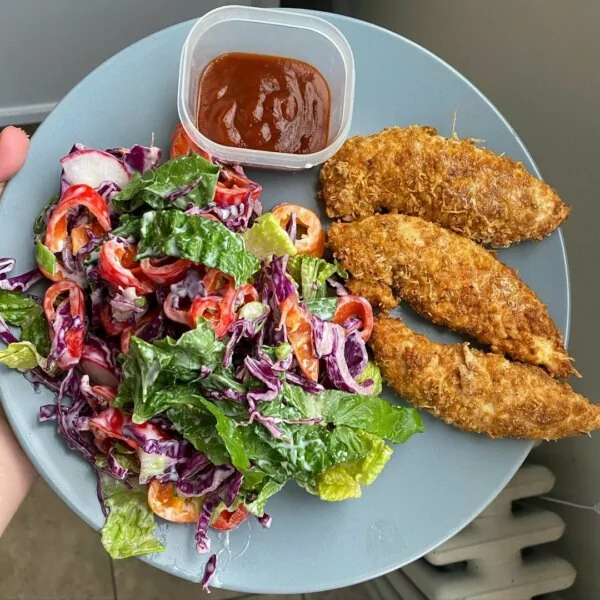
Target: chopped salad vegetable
210, 354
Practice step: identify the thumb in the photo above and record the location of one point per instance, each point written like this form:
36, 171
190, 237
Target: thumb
14, 144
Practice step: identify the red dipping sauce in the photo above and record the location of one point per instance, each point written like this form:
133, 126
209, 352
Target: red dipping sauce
264, 103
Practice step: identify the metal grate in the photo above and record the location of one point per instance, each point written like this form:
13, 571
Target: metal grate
496, 557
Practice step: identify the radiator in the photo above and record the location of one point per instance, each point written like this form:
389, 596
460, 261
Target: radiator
496, 557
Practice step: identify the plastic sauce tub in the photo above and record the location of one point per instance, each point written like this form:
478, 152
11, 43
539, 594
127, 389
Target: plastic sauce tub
277, 33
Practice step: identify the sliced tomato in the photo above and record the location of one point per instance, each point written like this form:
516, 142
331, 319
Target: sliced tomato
165, 271
76, 195
135, 329
182, 145
117, 266
80, 235
299, 330
311, 237
230, 519
166, 504
111, 326
74, 337
355, 306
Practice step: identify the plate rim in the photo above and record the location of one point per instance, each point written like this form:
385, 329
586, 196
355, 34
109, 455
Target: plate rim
373, 572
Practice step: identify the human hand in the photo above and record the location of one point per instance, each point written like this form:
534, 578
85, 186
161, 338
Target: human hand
16, 472
14, 144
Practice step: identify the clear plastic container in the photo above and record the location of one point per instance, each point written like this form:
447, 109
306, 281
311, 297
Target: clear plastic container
277, 33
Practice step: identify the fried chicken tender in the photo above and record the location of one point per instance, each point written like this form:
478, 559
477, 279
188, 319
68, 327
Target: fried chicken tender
478, 391
486, 197
451, 281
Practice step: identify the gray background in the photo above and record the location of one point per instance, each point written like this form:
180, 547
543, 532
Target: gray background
47, 46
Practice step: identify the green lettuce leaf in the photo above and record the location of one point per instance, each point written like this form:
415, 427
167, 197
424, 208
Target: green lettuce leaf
255, 498
25, 312
35, 330
173, 233
151, 370
228, 431
194, 349
343, 481
22, 356
198, 427
45, 258
372, 372
143, 366
17, 308
268, 238
303, 452
39, 226
129, 227
161, 399
130, 525
212, 432
154, 186
367, 413
324, 308
312, 274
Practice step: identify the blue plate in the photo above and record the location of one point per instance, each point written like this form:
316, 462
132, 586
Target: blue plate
435, 484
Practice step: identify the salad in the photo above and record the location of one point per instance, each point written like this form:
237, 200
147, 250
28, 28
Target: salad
203, 354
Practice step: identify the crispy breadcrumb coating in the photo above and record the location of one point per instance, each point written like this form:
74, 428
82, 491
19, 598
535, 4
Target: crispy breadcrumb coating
451, 281
486, 197
477, 391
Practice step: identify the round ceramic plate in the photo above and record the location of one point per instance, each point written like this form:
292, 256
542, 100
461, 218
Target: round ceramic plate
437, 482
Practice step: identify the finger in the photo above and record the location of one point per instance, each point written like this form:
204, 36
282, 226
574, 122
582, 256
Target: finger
14, 144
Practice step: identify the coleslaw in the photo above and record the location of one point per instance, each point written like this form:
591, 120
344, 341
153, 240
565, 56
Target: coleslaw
203, 354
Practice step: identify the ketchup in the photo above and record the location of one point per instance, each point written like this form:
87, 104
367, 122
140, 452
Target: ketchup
264, 103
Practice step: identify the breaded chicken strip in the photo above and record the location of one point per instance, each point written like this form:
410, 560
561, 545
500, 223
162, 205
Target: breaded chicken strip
486, 197
451, 281
478, 391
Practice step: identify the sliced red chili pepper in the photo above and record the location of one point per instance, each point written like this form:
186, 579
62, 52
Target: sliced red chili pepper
111, 326
244, 294
230, 519
113, 423
74, 337
165, 271
80, 236
76, 299
233, 188
312, 241
355, 306
299, 330
177, 314
117, 266
215, 281
76, 195
135, 329
218, 311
